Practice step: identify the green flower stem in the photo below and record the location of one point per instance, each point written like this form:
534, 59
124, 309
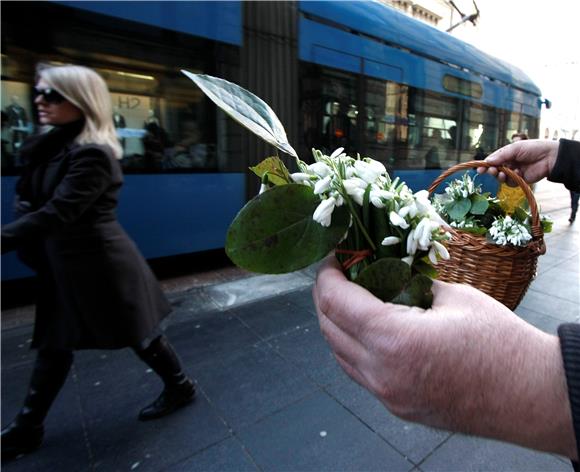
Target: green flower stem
359, 223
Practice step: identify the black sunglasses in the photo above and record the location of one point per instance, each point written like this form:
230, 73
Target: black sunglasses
48, 95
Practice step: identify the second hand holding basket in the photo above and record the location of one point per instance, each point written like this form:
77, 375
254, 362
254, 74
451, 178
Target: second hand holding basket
503, 272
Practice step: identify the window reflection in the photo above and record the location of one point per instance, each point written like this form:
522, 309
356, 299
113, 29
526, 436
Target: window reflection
163, 122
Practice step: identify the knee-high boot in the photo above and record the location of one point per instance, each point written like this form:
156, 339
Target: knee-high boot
25, 433
179, 389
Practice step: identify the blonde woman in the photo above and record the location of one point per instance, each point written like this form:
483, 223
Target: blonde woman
95, 289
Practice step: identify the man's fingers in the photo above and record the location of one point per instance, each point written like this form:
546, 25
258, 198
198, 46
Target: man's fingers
346, 304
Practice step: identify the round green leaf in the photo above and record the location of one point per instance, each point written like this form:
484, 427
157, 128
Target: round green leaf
479, 204
275, 233
417, 292
457, 209
385, 278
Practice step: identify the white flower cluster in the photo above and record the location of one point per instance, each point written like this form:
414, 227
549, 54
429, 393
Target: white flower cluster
340, 179
509, 231
463, 188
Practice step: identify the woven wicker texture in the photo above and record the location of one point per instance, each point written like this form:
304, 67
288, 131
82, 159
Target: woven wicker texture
503, 272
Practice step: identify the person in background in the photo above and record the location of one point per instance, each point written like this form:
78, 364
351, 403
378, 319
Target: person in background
467, 364
519, 137
95, 289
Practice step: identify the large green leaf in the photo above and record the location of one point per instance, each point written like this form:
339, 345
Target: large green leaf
479, 204
385, 278
275, 233
390, 280
246, 108
273, 166
417, 292
457, 209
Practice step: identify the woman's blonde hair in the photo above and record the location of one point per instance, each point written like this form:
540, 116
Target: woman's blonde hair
87, 90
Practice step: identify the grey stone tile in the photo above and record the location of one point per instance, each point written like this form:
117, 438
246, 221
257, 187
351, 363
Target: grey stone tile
16, 347
251, 384
469, 454
63, 427
559, 308
210, 337
412, 440
119, 442
318, 434
559, 283
227, 456
273, 317
301, 298
541, 321
307, 349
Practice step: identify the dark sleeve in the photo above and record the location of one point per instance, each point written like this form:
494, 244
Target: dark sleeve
569, 334
88, 176
567, 167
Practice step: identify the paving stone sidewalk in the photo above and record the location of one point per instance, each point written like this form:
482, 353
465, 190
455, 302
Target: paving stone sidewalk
271, 396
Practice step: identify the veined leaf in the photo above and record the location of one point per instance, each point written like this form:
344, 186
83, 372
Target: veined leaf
246, 108
457, 209
479, 204
273, 166
275, 233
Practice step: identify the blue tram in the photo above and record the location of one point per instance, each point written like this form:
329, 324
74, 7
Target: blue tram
354, 74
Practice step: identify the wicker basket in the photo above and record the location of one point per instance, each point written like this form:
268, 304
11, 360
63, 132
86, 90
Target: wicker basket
503, 272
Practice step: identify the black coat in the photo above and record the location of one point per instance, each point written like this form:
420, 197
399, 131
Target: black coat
95, 288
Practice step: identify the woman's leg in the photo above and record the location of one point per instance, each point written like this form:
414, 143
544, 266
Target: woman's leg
574, 196
179, 389
25, 433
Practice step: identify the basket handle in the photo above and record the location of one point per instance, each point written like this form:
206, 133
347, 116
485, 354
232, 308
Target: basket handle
536, 226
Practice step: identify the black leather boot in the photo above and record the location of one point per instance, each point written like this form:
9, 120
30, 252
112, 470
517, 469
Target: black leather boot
179, 389
26, 432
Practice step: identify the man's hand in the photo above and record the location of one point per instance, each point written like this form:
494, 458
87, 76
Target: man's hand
532, 159
468, 364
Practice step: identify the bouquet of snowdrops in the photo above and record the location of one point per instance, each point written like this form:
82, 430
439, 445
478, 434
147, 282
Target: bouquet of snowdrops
387, 238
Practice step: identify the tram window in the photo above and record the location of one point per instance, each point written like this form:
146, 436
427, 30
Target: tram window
385, 120
340, 111
164, 122
462, 86
330, 112
512, 126
433, 123
480, 134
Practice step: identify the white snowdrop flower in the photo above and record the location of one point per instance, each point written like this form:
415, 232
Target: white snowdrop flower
353, 183
338, 197
323, 212
408, 260
349, 172
423, 203
396, 220
423, 234
322, 185
432, 256
300, 177
390, 241
355, 187
358, 195
441, 250
320, 169
369, 171
379, 196
336, 153
411, 243
263, 188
